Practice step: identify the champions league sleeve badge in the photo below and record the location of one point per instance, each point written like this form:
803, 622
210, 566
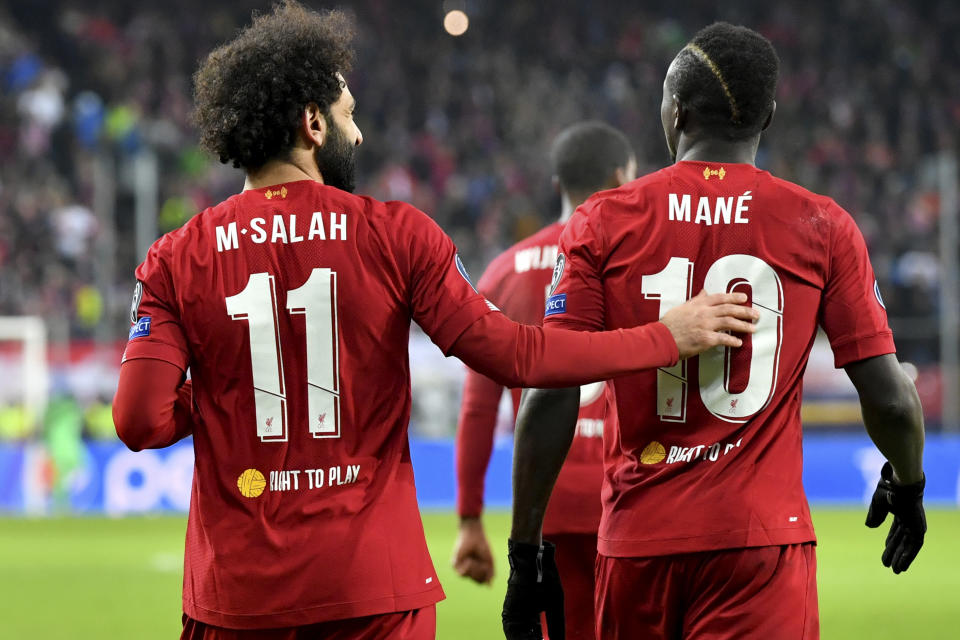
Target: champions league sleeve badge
876, 292
135, 304
140, 328
463, 272
557, 273
556, 303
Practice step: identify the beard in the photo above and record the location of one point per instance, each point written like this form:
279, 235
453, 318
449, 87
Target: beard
336, 160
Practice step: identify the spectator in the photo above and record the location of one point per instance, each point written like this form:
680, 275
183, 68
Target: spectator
457, 125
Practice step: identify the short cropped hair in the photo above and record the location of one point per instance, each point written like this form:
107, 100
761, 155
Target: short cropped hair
727, 75
585, 155
250, 92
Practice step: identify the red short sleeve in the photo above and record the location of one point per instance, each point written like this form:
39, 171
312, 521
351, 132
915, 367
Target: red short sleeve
575, 300
443, 300
155, 330
852, 311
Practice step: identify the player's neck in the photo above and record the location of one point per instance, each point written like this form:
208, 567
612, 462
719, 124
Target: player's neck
281, 171
569, 204
713, 150
566, 208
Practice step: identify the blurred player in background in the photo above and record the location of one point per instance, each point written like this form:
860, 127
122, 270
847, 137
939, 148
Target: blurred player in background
290, 303
706, 532
586, 157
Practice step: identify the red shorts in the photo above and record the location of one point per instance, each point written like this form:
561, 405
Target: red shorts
576, 562
419, 624
761, 593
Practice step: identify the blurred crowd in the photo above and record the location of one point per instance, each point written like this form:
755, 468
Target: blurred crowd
869, 96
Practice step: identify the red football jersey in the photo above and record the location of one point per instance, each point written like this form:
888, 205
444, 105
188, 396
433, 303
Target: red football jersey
291, 306
708, 452
517, 281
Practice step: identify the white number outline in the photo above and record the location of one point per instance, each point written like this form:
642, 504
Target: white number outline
316, 300
672, 286
725, 274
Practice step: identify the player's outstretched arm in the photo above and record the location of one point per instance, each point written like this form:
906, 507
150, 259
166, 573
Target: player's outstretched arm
545, 427
894, 419
518, 355
152, 408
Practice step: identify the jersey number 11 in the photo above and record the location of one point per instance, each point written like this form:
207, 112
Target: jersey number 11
316, 300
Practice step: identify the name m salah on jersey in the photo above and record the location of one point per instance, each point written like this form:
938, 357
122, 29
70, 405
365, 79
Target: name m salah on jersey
283, 229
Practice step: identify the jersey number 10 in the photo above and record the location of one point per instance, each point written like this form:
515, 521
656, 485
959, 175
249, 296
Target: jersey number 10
672, 287
316, 300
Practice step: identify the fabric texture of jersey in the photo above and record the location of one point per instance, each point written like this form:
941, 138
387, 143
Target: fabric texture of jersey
291, 306
707, 454
517, 282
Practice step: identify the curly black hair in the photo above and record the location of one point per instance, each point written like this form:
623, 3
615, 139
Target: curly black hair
250, 92
727, 75
585, 155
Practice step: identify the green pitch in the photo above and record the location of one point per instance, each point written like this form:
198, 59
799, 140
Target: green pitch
94, 578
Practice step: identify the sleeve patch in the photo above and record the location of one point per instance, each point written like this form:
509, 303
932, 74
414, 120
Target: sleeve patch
556, 304
140, 329
557, 273
463, 272
135, 304
876, 292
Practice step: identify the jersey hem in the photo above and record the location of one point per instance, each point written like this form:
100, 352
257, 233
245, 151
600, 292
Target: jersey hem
862, 347
743, 539
314, 615
569, 530
152, 350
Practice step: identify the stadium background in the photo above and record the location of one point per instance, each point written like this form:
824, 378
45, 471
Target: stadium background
98, 157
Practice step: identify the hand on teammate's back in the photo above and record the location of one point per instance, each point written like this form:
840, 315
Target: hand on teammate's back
905, 502
701, 322
471, 552
533, 586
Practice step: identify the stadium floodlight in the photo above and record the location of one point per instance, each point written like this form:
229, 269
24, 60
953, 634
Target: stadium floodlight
456, 22
455, 19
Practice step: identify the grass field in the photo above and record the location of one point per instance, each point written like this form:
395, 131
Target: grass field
97, 578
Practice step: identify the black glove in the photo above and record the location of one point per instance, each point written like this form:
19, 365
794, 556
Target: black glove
533, 586
905, 502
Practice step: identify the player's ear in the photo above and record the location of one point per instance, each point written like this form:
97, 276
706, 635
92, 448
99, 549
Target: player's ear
313, 124
679, 114
773, 110
555, 181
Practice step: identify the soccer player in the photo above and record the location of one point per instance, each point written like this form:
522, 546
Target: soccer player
290, 303
706, 532
586, 157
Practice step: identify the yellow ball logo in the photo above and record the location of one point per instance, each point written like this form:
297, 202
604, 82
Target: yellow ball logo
251, 483
653, 453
